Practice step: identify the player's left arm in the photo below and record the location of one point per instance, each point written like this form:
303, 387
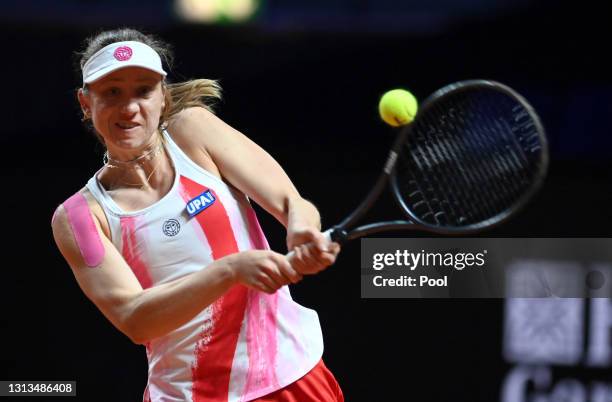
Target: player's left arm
254, 171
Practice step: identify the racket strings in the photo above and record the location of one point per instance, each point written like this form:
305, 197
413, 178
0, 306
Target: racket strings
516, 134
470, 169
425, 198
457, 214
429, 205
458, 211
443, 206
452, 186
468, 158
526, 131
502, 152
440, 209
503, 155
478, 138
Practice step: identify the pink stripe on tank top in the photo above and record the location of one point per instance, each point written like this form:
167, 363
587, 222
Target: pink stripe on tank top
130, 251
262, 347
258, 239
217, 345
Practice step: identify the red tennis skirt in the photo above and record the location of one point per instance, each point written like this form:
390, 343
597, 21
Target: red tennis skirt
319, 385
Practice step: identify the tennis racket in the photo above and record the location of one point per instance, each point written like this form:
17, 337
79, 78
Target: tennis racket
472, 158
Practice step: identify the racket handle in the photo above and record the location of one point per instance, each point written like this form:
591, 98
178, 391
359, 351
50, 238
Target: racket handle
328, 236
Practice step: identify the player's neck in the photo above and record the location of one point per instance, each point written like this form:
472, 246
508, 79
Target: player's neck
152, 170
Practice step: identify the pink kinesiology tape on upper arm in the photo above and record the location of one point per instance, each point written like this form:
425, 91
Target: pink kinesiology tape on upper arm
84, 230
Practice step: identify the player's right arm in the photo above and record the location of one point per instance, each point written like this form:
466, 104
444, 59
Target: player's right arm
144, 314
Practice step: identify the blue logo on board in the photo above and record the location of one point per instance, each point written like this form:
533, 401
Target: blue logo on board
200, 203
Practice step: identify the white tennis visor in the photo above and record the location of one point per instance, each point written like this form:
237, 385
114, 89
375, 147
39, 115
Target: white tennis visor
120, 55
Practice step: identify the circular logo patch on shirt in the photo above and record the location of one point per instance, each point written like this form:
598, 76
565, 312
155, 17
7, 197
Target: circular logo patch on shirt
123, 53
171, 227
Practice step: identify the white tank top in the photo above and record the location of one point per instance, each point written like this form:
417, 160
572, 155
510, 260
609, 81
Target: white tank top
247, 343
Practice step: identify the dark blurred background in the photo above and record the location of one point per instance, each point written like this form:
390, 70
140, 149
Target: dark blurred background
302, 78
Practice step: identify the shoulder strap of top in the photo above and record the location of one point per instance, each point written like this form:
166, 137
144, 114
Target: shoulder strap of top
105, 201
183, 163
176, 153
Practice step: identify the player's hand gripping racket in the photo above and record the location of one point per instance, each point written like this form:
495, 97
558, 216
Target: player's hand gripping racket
474, 156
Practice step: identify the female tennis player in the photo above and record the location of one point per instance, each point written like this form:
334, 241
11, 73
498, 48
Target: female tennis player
165, 243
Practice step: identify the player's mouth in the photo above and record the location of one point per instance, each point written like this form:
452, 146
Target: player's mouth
126, 125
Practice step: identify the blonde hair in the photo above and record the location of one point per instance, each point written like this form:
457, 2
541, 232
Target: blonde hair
182, 95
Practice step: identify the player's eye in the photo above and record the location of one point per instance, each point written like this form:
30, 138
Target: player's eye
145, 90
112, 92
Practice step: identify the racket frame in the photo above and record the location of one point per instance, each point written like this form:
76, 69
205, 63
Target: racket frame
340, 233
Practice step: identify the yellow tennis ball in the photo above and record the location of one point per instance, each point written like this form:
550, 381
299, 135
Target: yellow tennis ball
398, 107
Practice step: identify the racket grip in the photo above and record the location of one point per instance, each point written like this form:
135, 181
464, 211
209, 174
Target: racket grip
327, 234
